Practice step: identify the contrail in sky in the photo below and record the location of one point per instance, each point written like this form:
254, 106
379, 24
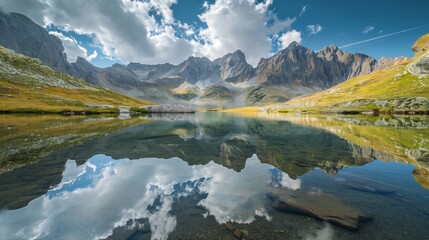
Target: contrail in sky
379, 37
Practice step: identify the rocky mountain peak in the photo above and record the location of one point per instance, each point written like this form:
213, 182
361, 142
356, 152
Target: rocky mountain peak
237, 54
331, 49
196, 69
117, 65
294, 44
196, 60
82, 61
297, 65
150, 72
22, 35
294, 52
233, 67
333, 53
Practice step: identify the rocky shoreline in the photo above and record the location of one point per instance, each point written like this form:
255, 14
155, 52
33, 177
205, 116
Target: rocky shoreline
169, 109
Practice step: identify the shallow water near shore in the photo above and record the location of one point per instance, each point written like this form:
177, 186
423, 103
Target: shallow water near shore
214, 176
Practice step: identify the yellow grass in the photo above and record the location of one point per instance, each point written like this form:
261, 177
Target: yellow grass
20, 98
242, 110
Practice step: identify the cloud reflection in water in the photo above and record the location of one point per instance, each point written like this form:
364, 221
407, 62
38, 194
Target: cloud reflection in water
104, 194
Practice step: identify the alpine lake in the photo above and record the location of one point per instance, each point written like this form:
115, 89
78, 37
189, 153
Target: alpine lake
214, 175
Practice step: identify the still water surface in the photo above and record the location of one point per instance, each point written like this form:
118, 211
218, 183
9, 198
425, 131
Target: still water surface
214, 176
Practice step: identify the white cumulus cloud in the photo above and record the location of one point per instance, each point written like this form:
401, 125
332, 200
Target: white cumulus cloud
73, 49
147, 31
233, 25
289, 37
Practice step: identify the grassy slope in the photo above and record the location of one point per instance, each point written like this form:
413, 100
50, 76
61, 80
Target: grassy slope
28, 86
378, 85
387, 84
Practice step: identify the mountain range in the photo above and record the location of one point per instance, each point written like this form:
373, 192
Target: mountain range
225, 82
400, 88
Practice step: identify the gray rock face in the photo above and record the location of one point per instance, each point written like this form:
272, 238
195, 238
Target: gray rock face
196, 69
292, 66
297, 65
150, 72
345, 65
386, 62
116, 77
19, 33
85, 70
234, 67
420, 68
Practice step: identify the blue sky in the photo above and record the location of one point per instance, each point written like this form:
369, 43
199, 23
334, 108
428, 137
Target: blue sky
158, 31
344, 22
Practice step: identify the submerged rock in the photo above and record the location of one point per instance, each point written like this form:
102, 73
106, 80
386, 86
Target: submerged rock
244, 232
322, 206
237, 233
229, 226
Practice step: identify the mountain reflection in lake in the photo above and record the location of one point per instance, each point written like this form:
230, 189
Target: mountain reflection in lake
214, 176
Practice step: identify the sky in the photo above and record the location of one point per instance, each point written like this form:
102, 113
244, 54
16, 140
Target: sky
105, 32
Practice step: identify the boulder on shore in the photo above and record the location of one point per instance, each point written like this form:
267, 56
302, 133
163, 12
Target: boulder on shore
420, 67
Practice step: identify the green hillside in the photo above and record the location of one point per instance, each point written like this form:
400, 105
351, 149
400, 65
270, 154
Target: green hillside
28, 86
394, 89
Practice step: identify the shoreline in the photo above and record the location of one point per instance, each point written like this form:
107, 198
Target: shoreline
60, 112
251, 109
